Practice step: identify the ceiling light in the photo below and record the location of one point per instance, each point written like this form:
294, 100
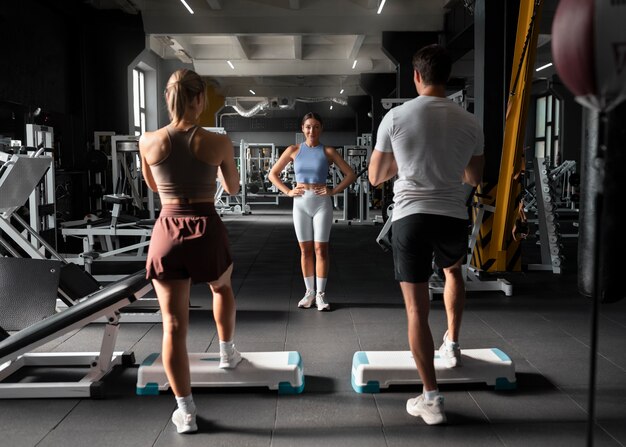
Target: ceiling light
544, 66
340, 91
354, 64
230, 64
252, 91
380, 7
331, 107
187, 6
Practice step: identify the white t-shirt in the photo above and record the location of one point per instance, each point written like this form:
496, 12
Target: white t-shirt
432, 140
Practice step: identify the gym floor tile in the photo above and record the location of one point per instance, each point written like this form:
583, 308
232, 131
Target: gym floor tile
553, 434
418, 433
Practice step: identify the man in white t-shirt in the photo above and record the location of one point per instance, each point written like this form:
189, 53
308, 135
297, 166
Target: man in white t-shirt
436, 149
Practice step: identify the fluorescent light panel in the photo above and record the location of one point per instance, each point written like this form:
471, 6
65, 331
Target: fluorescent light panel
187, 6
381, 6
230, 64
252, 91
340, 91
544, 66
354, 64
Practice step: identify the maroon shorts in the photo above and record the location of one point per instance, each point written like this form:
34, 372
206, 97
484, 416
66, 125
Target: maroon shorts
188, 241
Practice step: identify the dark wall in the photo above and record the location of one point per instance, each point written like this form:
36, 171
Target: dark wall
70, 60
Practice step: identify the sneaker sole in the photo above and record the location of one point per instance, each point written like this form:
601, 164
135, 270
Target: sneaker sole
323, 308
304, 306
230, 365
427, 418
450, 362
187, 429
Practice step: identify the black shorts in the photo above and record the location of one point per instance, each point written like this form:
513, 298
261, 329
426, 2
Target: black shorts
415, 238
188, 241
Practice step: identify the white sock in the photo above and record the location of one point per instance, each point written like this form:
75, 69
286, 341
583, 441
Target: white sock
186, 404
309, 282
321, 284
227, 346
431, 395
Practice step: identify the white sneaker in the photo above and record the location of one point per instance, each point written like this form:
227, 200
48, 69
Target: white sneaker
320, 301
229, 360
431, 411
308, 299
450, 354
184, 422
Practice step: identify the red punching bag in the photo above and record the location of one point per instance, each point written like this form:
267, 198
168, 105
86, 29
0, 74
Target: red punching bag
572, 46
589, 50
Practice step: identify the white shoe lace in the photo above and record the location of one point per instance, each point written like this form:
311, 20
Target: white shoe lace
320, 300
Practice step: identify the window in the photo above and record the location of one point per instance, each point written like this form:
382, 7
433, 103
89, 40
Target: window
139, 101
547, 129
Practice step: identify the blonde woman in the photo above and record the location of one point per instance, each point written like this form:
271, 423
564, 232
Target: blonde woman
189, 243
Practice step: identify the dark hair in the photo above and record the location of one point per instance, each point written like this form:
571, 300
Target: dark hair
434, 64
312, 115
183, 86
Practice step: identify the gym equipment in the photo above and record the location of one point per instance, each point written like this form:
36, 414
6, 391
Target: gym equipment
255, 161
41, 203
126, 172
22, 300
356, 198
109, 233
549, 234
16, 350
238, 203
374, 370
497, 251
384, 237
20, 174
259, 158
282, 371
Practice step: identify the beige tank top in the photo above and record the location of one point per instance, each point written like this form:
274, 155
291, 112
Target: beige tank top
181, 175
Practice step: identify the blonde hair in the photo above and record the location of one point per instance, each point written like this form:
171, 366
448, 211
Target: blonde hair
183, 87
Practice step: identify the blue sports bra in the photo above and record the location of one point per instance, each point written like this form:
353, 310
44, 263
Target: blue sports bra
311, 164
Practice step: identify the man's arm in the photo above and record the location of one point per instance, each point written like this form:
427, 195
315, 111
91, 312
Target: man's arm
382, 167
473, 173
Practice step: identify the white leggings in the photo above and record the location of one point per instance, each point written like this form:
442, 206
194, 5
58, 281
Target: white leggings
312, 217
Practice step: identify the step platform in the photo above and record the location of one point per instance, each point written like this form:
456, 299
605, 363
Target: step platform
280, 371
374, 370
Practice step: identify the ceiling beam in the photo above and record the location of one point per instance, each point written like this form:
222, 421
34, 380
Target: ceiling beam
284, 68
356, 46
241, 47
297, 47
214, 4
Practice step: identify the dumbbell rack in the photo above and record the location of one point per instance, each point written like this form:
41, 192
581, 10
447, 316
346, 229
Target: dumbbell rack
549, 232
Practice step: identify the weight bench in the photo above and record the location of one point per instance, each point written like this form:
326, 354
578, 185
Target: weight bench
16, 349
109, 233
280, 371
373, 370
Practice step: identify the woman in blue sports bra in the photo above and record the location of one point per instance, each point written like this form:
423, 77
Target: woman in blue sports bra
312, 204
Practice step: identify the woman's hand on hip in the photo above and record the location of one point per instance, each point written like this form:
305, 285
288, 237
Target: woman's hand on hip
323, 191
297, 191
